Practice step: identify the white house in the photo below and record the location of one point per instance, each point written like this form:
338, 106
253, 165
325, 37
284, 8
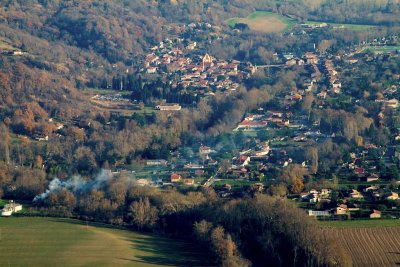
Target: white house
10, 208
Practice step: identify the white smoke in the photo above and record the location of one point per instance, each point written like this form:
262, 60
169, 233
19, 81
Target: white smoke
76, 184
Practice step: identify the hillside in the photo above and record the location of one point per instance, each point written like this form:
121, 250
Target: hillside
46, 241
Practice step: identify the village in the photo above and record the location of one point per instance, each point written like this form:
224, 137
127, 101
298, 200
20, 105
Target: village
271, 137
188, 69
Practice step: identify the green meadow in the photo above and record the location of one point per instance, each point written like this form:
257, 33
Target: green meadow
29, 241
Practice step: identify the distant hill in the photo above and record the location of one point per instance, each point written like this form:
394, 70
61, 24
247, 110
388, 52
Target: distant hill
76, 44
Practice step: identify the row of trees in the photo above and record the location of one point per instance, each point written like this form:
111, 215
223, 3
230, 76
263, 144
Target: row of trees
239, 232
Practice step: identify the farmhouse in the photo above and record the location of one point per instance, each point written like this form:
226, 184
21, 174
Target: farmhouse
175, 178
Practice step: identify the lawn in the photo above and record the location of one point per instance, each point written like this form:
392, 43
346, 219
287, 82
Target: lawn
63, 242
263, 21
372, 223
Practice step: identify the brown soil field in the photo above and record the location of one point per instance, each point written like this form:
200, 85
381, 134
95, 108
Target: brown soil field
265, 24
370, 247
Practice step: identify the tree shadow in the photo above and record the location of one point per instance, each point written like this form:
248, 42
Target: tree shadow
164, 251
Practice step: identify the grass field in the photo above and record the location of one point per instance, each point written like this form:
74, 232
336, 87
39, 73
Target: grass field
361, 223
5, 45
263, 21
233, 182
63, 242
376, 246
352, 27
382, 49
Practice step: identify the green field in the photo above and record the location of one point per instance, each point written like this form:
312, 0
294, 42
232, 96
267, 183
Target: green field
361, 223
352, 27
234, 182
5, 45
381, 49
263, 21
64, 242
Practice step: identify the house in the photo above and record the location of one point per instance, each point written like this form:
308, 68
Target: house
355, 194
311, 58
325, 192
250, 124
372, 177
393, 196
189, 181
322, 95
199, 172
203, 150
175, 178
341, 209
191, 46
371, 188
156, 162
193, 166
262, 150
375, 214
243, 160
393, 103
316, 213
151, 70
10, 208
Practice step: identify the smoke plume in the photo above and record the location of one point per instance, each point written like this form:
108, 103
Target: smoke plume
76, 184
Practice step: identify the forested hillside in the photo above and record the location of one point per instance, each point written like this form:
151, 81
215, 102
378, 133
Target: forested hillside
121, 85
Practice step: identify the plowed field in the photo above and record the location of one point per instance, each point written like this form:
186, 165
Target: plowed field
370, 247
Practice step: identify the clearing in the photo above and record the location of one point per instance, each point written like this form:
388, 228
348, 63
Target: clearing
64, 242
263, 21
351, 27
369, 242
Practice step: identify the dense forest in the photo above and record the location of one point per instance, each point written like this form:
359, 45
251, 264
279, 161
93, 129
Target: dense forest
257, 228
